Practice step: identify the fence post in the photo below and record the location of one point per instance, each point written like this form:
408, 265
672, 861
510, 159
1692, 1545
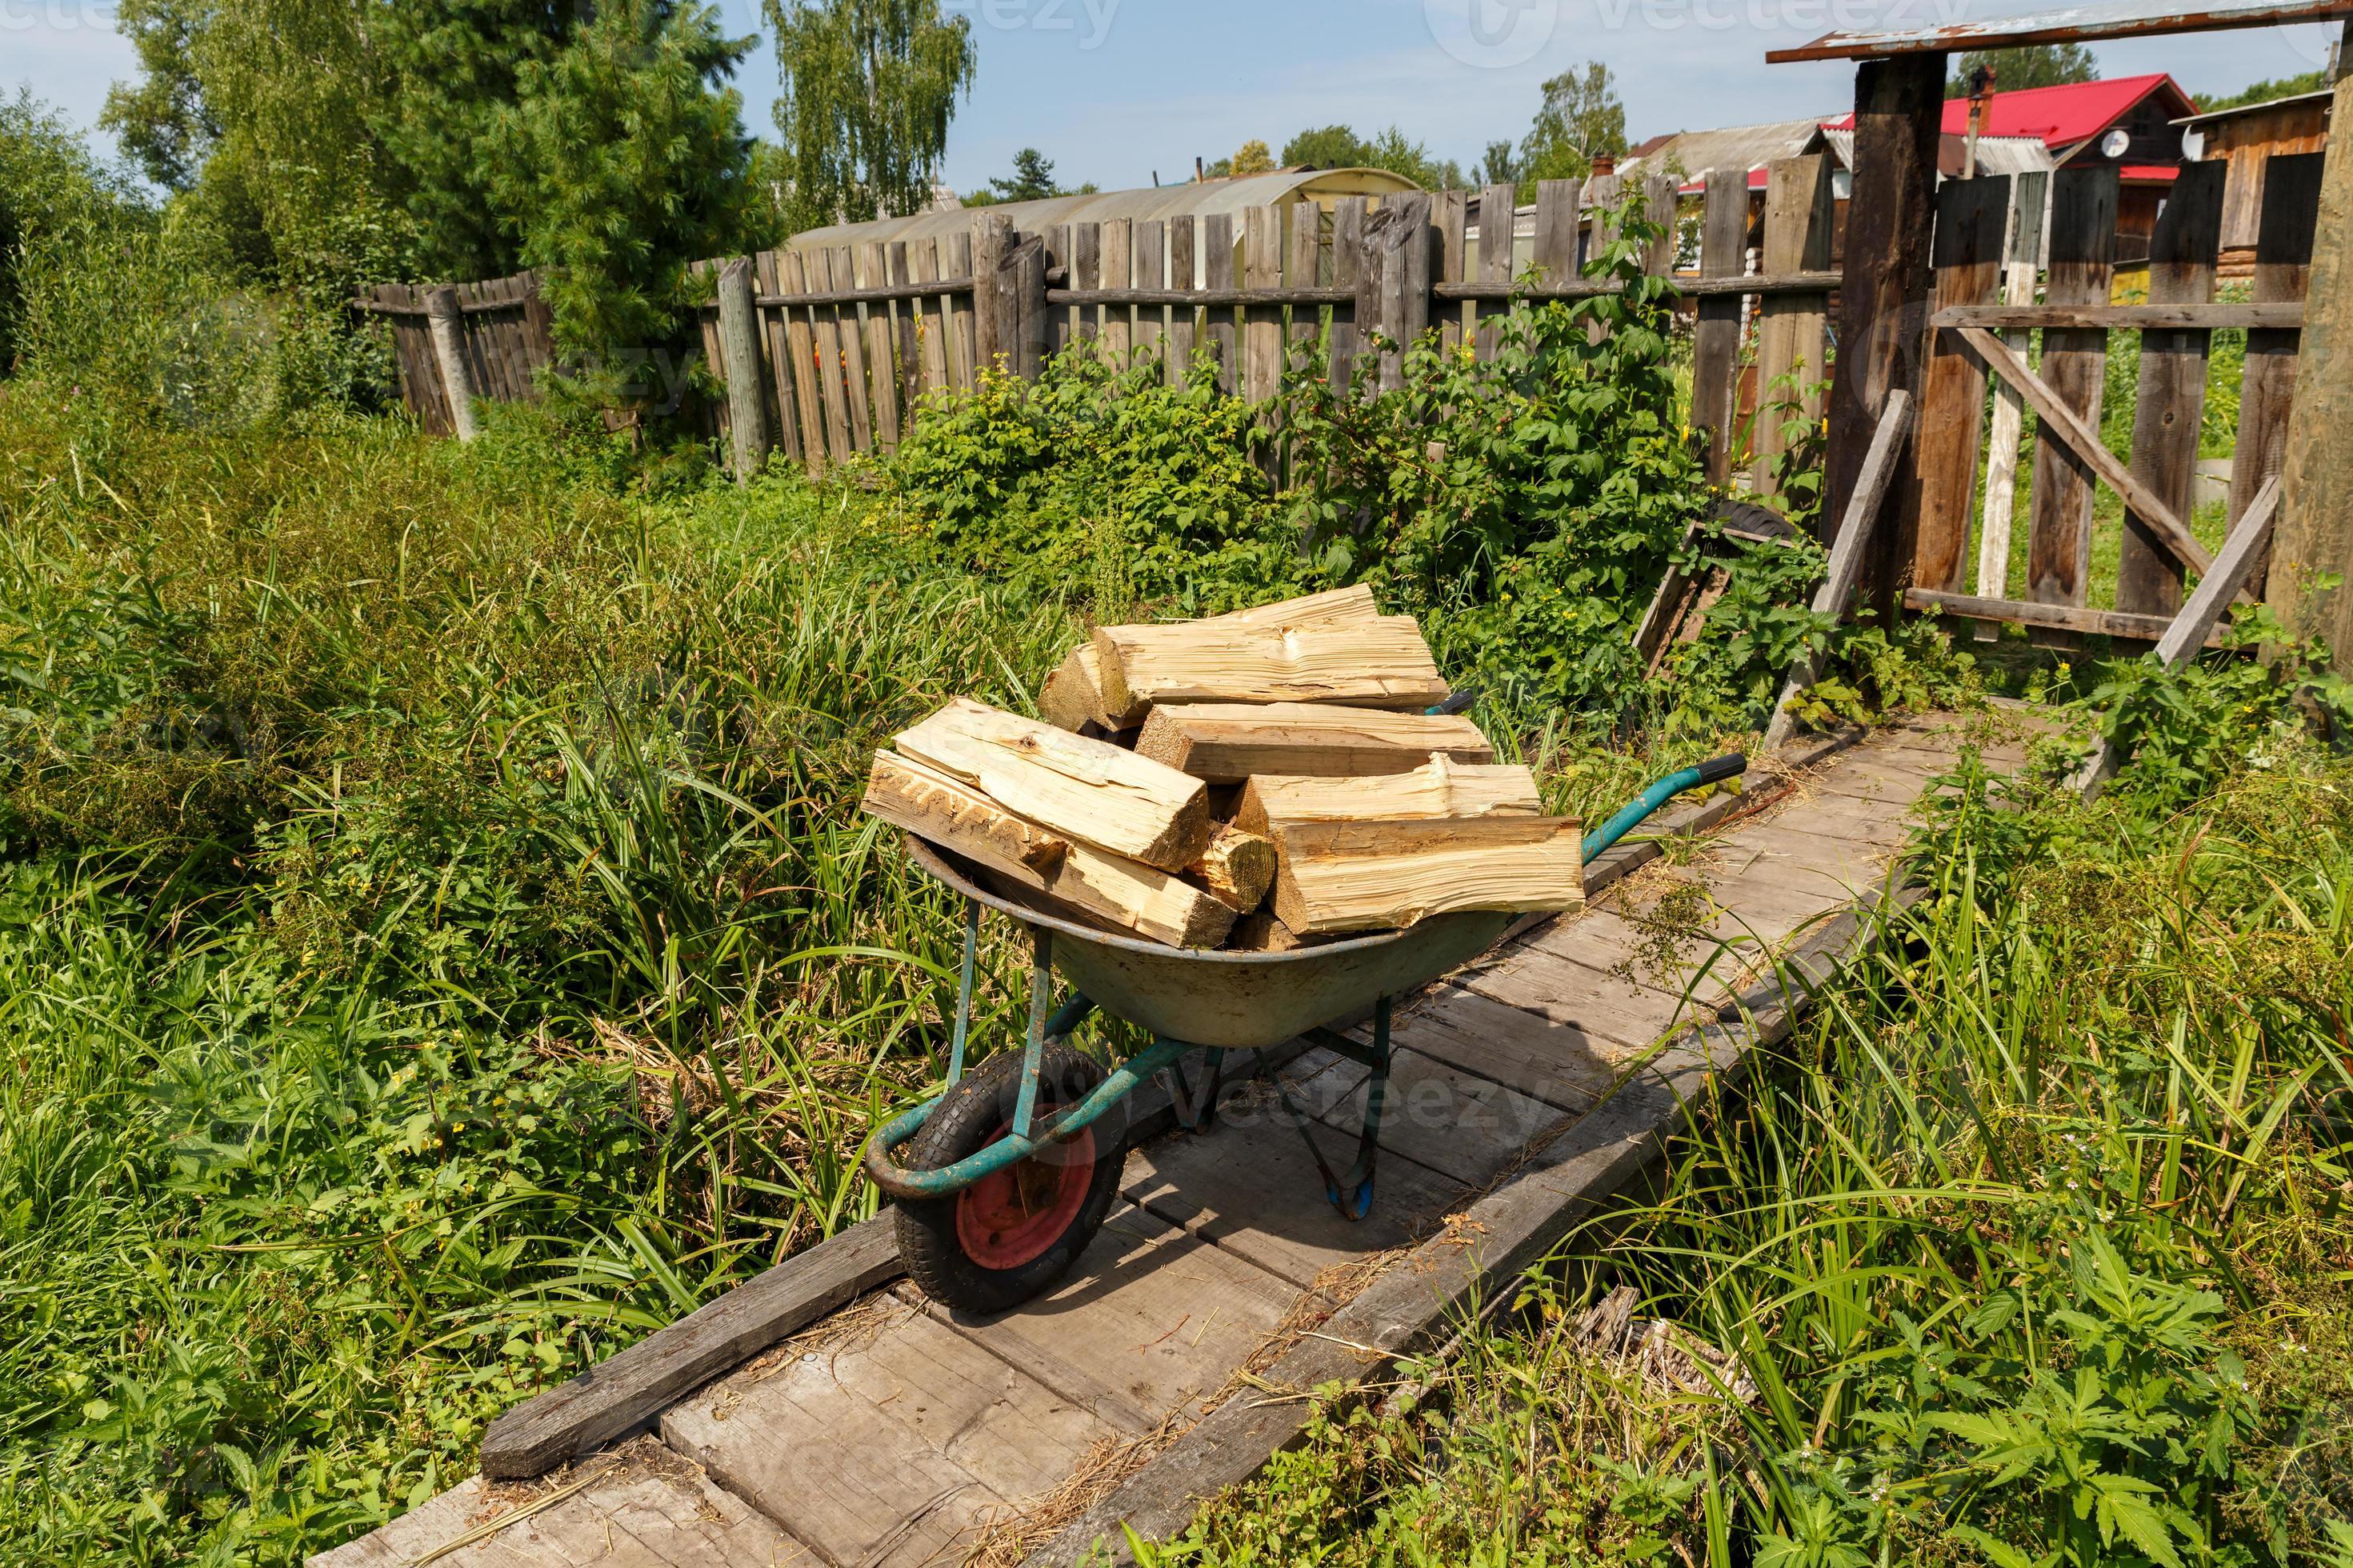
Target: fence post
739, 348
2315, 527
1883, 288
442, 316
1393, 286
992, 236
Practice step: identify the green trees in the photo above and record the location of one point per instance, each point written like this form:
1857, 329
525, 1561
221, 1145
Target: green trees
2036, 65
869, 88
623, 165
1581, 119
1032, 178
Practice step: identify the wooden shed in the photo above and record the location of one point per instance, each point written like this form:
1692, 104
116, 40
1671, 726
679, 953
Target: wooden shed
2247, 138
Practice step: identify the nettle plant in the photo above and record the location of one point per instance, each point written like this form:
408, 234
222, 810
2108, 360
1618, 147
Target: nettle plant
1524, 505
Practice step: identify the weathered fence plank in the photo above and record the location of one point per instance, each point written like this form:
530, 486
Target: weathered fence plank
2075, 362
2172, 392
1972, 216
1715, 340
1792, 330
2290, 206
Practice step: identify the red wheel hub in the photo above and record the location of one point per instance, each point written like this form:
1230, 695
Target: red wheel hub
1011, 1216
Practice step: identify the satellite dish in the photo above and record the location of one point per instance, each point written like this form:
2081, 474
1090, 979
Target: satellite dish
2115, 143
2193, 144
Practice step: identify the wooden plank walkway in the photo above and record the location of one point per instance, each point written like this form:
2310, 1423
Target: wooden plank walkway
1526, 1087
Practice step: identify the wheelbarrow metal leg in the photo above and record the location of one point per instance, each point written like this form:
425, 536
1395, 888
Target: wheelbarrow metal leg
1041, 990
963, 991
1195, 1113
1351, 1193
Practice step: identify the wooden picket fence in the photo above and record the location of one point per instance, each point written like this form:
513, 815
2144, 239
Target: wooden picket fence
502, 336
1986, 302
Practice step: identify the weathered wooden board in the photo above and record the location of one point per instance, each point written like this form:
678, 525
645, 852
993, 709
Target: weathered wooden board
1149, 1319
631, 1387
2172, 392
1971, 219
2083, 242
672, 1517
1250, 1185
1560, 1063
893, 1448
1434, 1113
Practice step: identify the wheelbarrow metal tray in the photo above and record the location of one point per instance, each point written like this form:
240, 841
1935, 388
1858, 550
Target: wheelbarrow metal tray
1233, 1000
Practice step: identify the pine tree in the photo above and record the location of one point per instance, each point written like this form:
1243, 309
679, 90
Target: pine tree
621, 163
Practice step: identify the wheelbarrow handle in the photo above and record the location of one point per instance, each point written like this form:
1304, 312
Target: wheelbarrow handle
1715, 770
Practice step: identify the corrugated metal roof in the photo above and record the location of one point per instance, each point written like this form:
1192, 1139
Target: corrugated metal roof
1746, 147
2075, 25
1195, 198
2325, 95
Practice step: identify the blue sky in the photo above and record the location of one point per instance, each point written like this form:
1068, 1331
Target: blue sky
1114, 90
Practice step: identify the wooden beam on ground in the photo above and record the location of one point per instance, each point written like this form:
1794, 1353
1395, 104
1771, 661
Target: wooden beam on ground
1883, 289
1227, 742
620, 1394
2199, 617
2315, 527
1852, 540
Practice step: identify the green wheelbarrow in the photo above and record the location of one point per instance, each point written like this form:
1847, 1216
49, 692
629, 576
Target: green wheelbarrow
1003, 1178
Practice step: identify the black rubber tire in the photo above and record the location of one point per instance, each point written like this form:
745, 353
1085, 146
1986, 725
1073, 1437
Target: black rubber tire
966, 1121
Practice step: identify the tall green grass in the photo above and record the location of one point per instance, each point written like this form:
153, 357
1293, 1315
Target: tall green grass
2032, 1244
437, 941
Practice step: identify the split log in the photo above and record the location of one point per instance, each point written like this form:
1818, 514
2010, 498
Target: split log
1261, 933
1335, 607
1127, 895
951, 813
1438, 790
1089, 791
1376, 875
1237, 867
1072, 698
1380, 663
1227, 742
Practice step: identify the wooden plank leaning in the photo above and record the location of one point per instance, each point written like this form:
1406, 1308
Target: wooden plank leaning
2187, 634
1847, 553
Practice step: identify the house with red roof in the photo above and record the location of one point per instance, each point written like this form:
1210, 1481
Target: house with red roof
2124, 122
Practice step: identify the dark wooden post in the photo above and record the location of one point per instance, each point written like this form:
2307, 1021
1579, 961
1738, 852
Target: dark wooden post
1715, 349
739, 349
448, 325
2315, 527
1884, 293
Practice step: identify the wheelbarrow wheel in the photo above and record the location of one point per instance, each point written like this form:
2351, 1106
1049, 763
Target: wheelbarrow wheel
1013, 1232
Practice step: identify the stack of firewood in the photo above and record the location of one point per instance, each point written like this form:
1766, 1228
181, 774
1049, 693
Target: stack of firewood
1258, 781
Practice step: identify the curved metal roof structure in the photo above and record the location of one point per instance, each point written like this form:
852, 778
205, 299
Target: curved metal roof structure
1193, 198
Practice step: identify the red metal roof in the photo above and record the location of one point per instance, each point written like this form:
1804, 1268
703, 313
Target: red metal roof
2062, 116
